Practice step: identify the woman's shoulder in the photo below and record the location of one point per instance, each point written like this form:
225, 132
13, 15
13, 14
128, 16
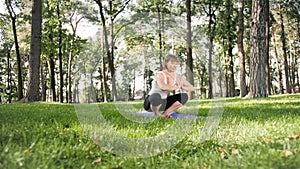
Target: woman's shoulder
160, 73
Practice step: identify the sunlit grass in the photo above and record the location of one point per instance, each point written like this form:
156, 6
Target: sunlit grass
252, 133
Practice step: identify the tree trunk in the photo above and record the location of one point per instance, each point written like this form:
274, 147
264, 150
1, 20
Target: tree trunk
258, 50
210, 87
241, 52
9, 78
211, 29
43, 83
226, 79
67, 92
295, 69
297, 54
103, 71
230, 49
111, 56
284, 56
35, 52
61, 75
159, 36
277, 63
70, 75
268, 73
231, 73
221, 76
189, 59
19, 64
293, 63
52, 75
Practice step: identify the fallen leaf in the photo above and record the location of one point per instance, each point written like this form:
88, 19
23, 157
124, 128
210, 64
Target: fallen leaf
294, 136
222, 149
268, 140
98, 160
27, 150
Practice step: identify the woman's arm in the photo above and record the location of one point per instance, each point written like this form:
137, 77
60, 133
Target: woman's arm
185, 85
160, 78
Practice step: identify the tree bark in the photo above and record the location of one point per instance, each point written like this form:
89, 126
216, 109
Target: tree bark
43, 83
189, 60
293, 66
70, 60
230, 49
241, 51
277, 63
9, 77
108, 54
258, 50
268, 73
35, 52
111, 54
284, 56
52, 73
19, 62
71, 55
103, 71
160, 35
61, 75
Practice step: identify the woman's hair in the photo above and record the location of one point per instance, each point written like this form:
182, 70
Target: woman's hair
169, 58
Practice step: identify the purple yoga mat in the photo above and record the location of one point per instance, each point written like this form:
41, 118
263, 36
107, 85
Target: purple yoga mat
174, 115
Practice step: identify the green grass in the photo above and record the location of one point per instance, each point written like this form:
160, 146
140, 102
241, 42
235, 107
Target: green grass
252, 133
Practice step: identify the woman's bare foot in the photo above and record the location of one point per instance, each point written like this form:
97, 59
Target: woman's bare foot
155, 109
159, 115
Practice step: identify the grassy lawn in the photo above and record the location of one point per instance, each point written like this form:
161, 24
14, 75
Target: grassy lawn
255, 133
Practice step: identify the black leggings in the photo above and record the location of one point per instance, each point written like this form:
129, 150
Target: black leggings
155, 99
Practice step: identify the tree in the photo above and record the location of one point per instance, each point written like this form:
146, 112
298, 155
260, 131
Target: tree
189, 53
281, 91
241, 52
210, 8
114, 9
51, 26
226, 36
35, 52
60, 54
13, 17
258, 49
268, 73
284, 54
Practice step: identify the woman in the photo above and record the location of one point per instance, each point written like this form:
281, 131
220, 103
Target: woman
166, 81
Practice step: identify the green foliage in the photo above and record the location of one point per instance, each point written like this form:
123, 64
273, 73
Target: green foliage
256, 133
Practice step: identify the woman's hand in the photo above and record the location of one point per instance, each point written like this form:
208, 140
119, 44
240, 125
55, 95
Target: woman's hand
185, 85
169, 86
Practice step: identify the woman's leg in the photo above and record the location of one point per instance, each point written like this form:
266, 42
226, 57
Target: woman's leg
175, 102
155, 109
172, 108
157, 104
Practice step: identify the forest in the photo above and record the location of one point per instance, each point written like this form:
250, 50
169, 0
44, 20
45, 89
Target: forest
227, 48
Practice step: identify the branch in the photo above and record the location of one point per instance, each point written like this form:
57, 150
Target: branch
122, 9
117, 31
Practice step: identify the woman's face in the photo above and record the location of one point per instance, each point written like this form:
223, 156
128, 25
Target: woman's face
172, 66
